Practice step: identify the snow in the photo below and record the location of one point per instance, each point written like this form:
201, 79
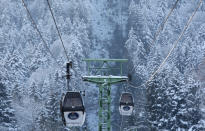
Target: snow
106, 77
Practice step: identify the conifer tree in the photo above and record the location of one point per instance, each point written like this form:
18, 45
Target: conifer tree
7, 116
34, 92
172, 102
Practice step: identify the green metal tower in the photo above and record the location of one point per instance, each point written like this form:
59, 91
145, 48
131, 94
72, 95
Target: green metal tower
99, 72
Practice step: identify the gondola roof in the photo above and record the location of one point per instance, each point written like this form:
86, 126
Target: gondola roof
73, 102
126, 99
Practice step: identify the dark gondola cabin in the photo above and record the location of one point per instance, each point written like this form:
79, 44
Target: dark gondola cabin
72, 109
126, 104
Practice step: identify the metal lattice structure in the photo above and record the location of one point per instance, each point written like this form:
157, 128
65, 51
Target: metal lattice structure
103, 78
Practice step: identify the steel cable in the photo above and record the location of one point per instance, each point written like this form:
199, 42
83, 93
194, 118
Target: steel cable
171, 50
58, 31
36, 27
163, 23
161, 27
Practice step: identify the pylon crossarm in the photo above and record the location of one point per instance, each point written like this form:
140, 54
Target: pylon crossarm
105, 79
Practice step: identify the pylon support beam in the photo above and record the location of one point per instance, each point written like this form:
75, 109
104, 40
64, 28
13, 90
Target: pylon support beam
105, 79
101, 76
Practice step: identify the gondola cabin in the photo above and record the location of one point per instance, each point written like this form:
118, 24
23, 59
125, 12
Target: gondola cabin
126, 104
72, 109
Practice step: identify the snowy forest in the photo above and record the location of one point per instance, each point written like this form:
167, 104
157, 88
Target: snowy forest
32, 81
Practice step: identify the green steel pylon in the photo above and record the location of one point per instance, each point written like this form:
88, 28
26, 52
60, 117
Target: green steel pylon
103, 78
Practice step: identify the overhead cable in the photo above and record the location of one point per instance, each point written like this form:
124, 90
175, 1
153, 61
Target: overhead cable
36, 27
59, 34
172, 49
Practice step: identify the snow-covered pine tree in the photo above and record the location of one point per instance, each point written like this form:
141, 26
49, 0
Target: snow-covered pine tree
52, 112
137, 52
188, 113
41, 120
17, 94
34, 92
49, 117
172, 103
136, 17
14, 72
7, 116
